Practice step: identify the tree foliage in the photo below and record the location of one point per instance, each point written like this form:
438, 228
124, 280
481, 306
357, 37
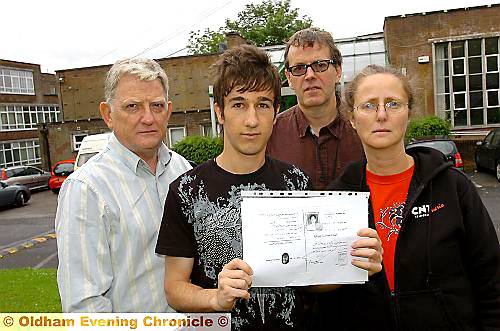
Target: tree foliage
265, 24
199, 149
427, 126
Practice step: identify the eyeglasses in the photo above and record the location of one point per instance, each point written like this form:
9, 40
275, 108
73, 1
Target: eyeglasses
317, 66
391, 106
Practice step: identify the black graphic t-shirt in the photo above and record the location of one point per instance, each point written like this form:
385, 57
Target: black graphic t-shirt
202, 220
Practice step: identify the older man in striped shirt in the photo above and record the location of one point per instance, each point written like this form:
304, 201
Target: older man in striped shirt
110, 210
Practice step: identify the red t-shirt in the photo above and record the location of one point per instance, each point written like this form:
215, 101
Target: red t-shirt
388, 196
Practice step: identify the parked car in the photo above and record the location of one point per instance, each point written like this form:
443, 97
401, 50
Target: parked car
31, 177
13, 194
60, 171
487, 155
445, 146
90, 146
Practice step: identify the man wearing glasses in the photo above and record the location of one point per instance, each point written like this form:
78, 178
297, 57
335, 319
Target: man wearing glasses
314, 135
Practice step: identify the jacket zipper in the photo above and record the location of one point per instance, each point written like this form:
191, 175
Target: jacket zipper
394, 297
394, 310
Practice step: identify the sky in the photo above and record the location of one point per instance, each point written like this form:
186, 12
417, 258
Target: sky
65, 34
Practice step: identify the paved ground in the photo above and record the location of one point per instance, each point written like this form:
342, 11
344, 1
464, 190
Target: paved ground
27, 234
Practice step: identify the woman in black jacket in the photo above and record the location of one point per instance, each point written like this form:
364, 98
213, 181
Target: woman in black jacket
441, 252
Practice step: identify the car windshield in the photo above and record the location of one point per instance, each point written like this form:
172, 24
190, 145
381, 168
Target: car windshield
445, 147
84, 158
63, 169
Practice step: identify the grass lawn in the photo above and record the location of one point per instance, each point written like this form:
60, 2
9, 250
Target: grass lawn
29, 290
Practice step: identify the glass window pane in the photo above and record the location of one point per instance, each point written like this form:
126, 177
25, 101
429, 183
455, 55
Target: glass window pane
492, 98
492, 81
475, 82
378, 59
360, 62
458, 67
457, 49
460, 118
474, 46
491, 45
459, 100
346, 48
493, 115
476, 99
441, 51
475, 65
8, 156
361, 47
443, 102
443, 85
459, 83
442, 68
492, 63
16, 155
31, 153
176, 134
476, 116
377, 46
24, 154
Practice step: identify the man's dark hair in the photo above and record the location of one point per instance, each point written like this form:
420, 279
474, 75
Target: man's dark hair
247, 68
307, 38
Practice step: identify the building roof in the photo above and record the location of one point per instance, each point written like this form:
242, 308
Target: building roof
441, 11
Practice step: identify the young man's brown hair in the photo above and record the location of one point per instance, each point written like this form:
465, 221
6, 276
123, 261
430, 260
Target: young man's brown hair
249, 69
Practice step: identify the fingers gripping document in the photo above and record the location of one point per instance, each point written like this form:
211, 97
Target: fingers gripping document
299, 238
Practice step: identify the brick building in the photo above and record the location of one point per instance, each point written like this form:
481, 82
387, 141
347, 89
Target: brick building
28, 101
82, 89
452, 57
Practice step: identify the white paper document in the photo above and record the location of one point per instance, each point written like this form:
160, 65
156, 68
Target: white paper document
302, 238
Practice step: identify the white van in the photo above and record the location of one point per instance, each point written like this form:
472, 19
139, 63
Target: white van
90, 146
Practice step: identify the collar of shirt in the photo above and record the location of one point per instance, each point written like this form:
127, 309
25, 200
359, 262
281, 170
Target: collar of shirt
335, 127
133, 161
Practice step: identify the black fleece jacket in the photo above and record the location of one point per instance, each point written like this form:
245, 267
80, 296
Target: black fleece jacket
447, 259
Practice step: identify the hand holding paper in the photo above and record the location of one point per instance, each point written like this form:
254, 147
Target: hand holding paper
369, 248
233, 283
305, 238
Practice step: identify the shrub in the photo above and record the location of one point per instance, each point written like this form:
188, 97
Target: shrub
198, 149
427, 126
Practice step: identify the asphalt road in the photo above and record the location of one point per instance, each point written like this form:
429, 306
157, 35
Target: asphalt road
27, 234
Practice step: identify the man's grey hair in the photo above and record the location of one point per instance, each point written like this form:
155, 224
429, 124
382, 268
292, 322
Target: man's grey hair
145, 69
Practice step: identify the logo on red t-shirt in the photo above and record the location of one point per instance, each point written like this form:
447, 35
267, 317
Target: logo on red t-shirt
391, 218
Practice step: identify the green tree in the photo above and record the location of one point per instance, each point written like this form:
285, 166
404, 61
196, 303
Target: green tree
264, 24
427, 126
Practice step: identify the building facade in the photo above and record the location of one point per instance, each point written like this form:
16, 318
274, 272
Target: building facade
28, 102
452, 57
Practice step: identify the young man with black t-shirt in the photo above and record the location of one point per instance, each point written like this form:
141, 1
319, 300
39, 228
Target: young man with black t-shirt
200, 232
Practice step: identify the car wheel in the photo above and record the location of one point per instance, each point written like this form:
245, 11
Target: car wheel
498, 171
20, 199
478, 167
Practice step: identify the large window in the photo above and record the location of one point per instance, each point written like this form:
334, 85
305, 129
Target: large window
19, 153
14, 81
176, 134
467, 81
26, 117
358, 53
